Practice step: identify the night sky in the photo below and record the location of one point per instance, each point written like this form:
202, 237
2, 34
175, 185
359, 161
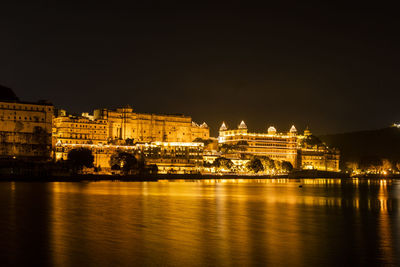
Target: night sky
333, 69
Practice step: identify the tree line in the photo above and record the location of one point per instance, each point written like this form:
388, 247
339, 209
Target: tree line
124, 162
256, 164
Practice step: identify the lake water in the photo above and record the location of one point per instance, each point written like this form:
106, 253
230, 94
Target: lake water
273, 222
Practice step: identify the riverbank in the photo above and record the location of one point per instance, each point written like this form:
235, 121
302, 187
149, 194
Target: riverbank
158, 177
133, 178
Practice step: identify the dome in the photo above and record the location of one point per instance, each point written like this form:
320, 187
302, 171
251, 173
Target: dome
242, 125
223, 127
293, 129
271, 130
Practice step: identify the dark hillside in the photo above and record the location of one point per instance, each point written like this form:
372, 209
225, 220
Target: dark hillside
367, 147
6, 94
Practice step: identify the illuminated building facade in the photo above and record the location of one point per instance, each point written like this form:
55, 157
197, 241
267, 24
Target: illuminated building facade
79, 130
316, 156
170, 157
319, 158
124, 124
277, 146
173, 157
164, 140
25, 128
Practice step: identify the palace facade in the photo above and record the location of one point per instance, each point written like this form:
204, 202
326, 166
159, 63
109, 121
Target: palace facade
25, 128
174, 143
79, 130
164, 140
124, 123
124, 127
277, 146
319, 158
290, 146
170, 157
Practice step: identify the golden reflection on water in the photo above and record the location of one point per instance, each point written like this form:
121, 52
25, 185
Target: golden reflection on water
221, 222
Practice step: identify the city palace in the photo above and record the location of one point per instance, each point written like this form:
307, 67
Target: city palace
175, 143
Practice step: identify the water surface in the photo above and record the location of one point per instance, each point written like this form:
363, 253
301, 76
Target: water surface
273, 222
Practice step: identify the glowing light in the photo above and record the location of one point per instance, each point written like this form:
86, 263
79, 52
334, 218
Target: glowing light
271, 130
242, 125
223, 127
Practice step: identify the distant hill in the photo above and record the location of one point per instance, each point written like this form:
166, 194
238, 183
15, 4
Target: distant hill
366, 147
6, 94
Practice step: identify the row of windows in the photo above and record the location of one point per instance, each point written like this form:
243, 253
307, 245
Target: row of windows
314, 158
84, 131
82, 136
35, 119
268, 144
77, 142
159, 132
172, 151
247, 138
269, 151
85, 126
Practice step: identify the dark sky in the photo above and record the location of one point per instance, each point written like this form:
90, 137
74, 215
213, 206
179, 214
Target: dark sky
333, 69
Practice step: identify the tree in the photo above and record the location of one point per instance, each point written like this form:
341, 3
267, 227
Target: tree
222, 163
126, 162
153, 169
227, 148
80, 157
255, 165
352, 166
387, 165
287, 166
269, 164
398, 166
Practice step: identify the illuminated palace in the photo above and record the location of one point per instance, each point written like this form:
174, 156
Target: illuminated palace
173, 142
124, 124
79, 130
288, 146
276, 146
165, 140
25, 128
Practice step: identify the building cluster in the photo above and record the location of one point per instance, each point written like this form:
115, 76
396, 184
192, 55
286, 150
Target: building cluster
174, 143
280, 147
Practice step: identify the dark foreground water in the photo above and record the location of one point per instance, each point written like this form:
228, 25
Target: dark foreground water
201, 223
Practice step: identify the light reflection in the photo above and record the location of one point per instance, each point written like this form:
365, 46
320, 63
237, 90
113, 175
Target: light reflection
215, 222
384, 224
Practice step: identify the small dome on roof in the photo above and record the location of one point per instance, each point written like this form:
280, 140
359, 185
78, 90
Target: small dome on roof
223, 127
242, 125
293, 129
271, 130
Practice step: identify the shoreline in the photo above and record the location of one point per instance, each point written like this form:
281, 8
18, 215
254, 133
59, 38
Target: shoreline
160, 177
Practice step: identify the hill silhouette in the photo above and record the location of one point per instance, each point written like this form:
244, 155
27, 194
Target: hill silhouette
7, 94
366, 147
